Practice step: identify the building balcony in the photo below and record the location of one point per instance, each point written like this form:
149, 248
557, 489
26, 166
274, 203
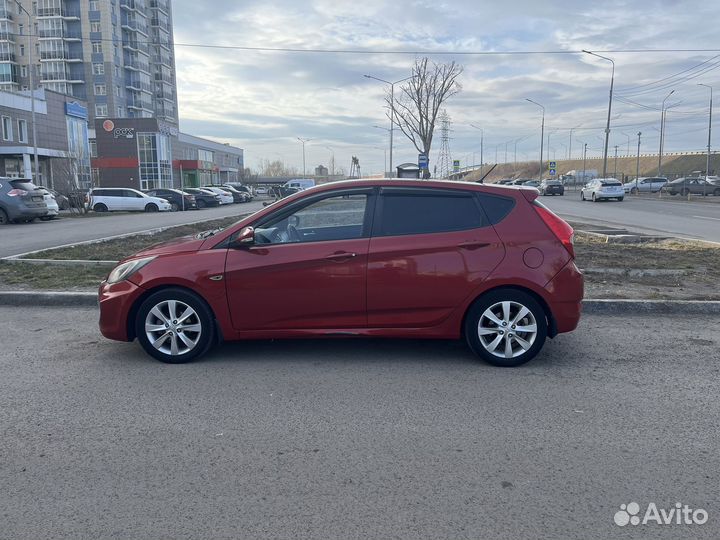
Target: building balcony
157, 23
66, 56
134, 26
7, 57
56, 76
58, 12
139, 104
135, 65
6, 14
162, 5
7, 36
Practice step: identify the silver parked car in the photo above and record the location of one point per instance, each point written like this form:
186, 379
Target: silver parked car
20, 200
602, 188
651, 184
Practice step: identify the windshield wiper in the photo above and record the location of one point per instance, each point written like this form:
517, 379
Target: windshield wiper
207, 234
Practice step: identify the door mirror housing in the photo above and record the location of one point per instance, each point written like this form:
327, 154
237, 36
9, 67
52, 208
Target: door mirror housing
245, 238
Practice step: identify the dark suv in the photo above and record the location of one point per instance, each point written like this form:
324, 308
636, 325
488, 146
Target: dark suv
373, 258
20, 200
178, 200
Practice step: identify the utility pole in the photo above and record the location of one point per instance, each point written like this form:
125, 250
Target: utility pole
615, 173
571, 133
707, 165
303, 141
542, 136
607, 127
392, 112
637, 164
31, 69
628, 138
482, 144
332, 160
662, 132
584, 160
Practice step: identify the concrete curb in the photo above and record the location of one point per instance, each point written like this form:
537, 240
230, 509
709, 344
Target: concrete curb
590, 307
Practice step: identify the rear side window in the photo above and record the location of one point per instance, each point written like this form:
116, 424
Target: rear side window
23, 184
99, 193
406, 212
496, 207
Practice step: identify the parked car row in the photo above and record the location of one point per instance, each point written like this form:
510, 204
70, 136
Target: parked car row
693, 185
165, 199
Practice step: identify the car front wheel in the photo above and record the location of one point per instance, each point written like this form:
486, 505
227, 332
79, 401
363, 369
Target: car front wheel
506, 328
174, 326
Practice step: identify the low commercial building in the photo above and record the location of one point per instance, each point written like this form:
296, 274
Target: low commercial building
148, 153
62, 139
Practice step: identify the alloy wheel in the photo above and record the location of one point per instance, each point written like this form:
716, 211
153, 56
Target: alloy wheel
507, 329
173, 327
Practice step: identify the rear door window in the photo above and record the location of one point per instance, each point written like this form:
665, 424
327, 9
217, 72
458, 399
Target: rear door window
406, 211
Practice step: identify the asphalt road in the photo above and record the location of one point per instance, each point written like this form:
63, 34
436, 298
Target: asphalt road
688, 219
22, 238
356, 439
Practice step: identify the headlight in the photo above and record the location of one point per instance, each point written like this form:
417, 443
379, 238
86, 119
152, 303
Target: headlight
125, 270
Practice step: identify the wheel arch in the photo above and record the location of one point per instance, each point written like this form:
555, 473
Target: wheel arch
551, 323
132, 313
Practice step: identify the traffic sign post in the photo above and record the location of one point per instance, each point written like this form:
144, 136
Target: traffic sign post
553, 168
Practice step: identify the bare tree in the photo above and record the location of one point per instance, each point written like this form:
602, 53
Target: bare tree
276, 168
72, 177
418, 103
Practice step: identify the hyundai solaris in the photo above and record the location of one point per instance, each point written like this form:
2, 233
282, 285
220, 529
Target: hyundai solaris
375, 258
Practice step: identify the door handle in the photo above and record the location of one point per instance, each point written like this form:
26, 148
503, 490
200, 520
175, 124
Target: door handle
473, 244
341, 256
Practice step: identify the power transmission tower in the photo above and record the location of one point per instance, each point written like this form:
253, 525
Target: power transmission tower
444, 163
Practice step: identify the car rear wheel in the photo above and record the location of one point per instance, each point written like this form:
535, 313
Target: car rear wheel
684, 192
4, 220
100, 207
634, 191
506, 328
152, 207
582, 195
593, 198
717, 192
201, 203
174, 326
174, 207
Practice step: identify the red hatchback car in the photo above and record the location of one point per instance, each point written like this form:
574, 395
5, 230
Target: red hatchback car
379, 258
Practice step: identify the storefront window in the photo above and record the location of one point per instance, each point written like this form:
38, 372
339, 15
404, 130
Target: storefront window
155, 161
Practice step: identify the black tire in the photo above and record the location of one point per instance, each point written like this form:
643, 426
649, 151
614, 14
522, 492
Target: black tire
100, 207
201, 204
684, 192
594, 199
174, 207
582, 195
634, 191
204, 319
46, 218
716, 193
4, 219
475, 317
152, 207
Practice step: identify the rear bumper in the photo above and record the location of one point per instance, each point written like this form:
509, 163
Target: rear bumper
116, 301
566, 291
23, 211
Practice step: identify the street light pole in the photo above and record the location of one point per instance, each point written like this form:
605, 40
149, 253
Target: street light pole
615, 173
332, 165
662, 132
607, 127
637, 164
392, 112
628, 138
303, 141
542, 135
707, 165
584, 160
482, 144
31, 69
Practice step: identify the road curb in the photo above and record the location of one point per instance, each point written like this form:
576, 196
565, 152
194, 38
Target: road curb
590, 307
48, 299
640, 307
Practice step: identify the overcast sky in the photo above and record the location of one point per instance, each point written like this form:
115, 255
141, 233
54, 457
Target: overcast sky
263, 101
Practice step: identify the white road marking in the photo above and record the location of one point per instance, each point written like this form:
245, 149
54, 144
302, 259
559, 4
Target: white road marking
706, 217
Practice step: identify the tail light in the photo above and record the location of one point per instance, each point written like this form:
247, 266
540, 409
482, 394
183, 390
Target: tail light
558, 226
17, 193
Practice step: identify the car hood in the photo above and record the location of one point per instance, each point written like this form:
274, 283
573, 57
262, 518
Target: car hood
178, 245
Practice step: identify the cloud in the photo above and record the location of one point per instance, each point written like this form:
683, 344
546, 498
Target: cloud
263, 101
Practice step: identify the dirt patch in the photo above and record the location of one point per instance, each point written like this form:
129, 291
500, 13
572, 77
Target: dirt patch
50, 277
668, 269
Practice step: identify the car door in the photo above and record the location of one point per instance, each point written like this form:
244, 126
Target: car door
429, 248
307, 267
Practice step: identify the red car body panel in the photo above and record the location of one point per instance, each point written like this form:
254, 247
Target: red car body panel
417, 286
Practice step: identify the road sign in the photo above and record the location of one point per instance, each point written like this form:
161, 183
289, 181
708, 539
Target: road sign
456, 165
553, 165
423, 161
553, 172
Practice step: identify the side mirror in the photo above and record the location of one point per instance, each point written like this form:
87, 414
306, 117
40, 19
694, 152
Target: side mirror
245, 238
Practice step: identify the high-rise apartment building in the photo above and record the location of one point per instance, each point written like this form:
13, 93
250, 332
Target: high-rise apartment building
117, 55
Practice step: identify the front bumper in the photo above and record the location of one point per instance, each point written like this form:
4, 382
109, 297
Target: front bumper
116, 301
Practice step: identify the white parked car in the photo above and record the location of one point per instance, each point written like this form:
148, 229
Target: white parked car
602, 188
52, 205
225, 196
651, 184
300, 184
125, 200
